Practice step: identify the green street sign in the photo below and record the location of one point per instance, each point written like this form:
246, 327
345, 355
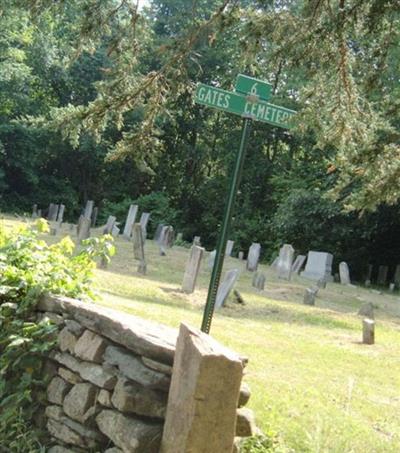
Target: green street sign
238, 104
253, 87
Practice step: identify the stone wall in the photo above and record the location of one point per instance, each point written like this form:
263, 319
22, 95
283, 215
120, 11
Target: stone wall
109, 381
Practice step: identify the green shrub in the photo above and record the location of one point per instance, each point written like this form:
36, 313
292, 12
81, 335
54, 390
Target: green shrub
28, 268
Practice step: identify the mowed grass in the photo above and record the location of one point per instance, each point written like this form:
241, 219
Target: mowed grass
313, 383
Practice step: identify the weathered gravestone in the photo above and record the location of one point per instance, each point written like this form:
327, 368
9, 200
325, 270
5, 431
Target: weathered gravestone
241, 255
285, 262
166, 239
138, 247
109, 225
382, 275
321, 283
159, 229
192, 269
368, 331
259, 281
226, 287
319, 265
229, 247
344, 273
144, 220
115, 230
130, 220
88, 209
60, 215
310, 295
53, 211
83, 228
196, 241
179, 238
253, 256
39, 213
298, 264
94, 216
34, 212
211, 259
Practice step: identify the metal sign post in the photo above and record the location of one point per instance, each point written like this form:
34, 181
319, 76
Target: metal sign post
251, 105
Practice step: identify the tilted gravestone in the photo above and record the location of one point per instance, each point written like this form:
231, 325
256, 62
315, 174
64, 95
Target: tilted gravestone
53, 211
159, 229
309, 296
89, 209
144, 220
285, 262
192, 269
226, 287
115, 230
60, 215
298, 264
382, 275
229, 247
344, 273
138, 247
83, 228
130, 220
166, 239
109, 225
259, 281
319, 265
253, 256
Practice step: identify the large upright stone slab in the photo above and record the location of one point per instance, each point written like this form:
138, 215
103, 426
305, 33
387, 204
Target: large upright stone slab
229, 247
53, 212
159, 229
382, 275
89, 209
211, 259
285, 262
298, 264
34, 211
253, 256
226, 287
319, 265
94, 216
138, 248
60, 214
166, 239
192, 269
344, 273
83, 228
109, 225
203, 398
130, 220
144, 220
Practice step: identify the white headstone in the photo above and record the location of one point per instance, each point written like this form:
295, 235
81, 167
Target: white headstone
138, 247
344, 273
144, 220
211, 259
226, 287
319, 265
253, 257
229, 247
285, 262
88, 209
192, 269
130, 220
259, 281
241, 255
298, 264
60, 215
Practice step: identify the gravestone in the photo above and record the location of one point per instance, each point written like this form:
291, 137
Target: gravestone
144, 220
321, 283
53, 211
88, 209
192, 269
130, 220
368, 331
241, 255
211, 259
259, 281
94, 216
34, 212
166, 239
159, 229
253, 257
319, 265
298, 264
83, 228
285, 262
196, 241
179, 238
367, 283
344, 273
396, 278
369, 272
226, 287
275, 262
39, 213
382, 275
115, 231
309, 296
138, 247
392, 287
229, 248
109, 225
60, 215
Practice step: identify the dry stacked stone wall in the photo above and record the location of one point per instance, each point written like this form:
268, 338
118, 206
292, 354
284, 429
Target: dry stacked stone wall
110, 378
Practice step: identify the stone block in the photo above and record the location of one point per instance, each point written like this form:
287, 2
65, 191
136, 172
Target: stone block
74, 327
244, 395
157, 366
69, 376
66, 340
204, 394
129, 396
368, 331
79, 403
309, 296
245, 423
133, 368
57, 390
90, 347
104, 398
130, 434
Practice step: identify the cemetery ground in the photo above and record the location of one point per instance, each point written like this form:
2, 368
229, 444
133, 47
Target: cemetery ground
314, 385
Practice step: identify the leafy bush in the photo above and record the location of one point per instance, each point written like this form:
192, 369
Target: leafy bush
262, 444
28, 268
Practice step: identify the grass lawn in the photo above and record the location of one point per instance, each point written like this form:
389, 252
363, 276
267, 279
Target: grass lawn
313, 383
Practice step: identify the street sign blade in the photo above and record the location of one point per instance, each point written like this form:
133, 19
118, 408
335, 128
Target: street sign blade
269, 113
253, 87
